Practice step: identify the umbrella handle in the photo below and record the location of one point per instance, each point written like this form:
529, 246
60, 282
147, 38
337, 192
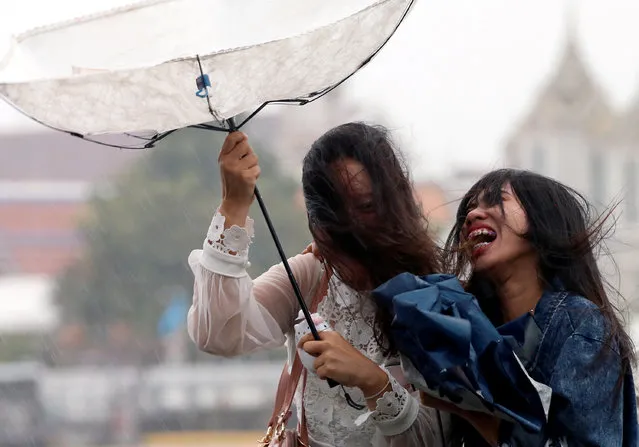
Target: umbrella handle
287, 267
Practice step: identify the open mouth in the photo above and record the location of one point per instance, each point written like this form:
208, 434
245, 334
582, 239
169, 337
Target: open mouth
479, 239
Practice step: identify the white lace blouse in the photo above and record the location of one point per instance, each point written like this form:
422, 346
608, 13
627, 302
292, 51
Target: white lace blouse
232, 315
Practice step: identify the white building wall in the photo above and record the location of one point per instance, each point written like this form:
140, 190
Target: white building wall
597, 171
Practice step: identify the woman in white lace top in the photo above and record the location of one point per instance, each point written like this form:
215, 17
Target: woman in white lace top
367, 232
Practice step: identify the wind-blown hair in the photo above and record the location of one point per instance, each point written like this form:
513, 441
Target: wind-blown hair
564, 230
566, 233
366, 240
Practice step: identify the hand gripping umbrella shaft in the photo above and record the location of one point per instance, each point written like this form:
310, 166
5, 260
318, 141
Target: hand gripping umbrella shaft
287, 267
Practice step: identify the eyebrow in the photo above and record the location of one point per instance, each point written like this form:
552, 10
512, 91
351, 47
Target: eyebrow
478, 198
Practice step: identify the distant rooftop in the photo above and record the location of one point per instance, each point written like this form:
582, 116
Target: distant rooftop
56, 156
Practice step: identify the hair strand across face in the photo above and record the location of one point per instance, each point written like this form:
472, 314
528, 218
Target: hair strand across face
367, 236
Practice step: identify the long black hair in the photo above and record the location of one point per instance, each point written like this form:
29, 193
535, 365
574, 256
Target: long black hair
392, 239
567, 234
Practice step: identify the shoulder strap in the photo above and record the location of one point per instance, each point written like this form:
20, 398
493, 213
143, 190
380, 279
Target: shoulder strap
302, 428
289, 381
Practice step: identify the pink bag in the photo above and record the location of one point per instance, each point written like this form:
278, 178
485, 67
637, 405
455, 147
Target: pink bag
277, 435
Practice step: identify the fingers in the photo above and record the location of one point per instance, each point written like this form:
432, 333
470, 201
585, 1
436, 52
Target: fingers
312, 248
316, 252
321, 369
237, 158
238, 152
231, 141
251, 175
241, 150
249, 160
326, 367
324, 336
306, 338
241, 156
316, 348
321, 364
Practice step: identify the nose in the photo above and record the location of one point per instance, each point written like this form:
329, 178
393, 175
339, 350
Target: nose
475, 214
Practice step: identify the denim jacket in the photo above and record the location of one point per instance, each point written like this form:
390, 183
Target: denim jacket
565, 347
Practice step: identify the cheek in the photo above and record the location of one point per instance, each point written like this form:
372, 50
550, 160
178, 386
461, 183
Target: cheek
514, 244
517, 220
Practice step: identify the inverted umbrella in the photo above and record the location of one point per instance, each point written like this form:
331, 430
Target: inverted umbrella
149, 68
451, 351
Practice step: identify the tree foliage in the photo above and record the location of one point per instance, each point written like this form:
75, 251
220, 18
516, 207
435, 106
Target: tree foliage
138, 236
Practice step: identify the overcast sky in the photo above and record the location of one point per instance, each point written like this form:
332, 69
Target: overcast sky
457, 75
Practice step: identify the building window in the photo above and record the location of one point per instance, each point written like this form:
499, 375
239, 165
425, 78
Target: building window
597, 178
630, 180
537, 160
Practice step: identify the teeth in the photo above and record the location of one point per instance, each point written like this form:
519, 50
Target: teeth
476, 233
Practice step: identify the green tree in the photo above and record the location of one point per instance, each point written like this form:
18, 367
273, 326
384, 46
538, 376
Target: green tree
138, 237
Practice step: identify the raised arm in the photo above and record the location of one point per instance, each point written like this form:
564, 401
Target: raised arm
232, 314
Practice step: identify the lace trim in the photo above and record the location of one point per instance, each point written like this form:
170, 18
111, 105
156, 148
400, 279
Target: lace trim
234, 241
392, 402
330, 420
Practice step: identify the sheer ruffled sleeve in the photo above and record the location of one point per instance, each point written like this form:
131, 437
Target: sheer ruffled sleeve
403, 421
232, 314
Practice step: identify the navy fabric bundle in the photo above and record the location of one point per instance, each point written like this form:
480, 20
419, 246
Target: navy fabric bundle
452, 351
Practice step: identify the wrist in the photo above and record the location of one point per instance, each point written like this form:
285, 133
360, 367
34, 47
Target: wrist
234, 213
374, 382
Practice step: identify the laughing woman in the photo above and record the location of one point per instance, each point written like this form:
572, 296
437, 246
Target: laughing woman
527, 243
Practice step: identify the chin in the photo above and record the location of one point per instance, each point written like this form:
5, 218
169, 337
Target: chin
483, 265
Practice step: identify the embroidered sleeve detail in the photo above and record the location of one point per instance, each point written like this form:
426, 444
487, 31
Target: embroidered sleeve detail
391, 403
234, 241
396, 410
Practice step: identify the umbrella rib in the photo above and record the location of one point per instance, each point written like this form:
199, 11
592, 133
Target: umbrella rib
317, 95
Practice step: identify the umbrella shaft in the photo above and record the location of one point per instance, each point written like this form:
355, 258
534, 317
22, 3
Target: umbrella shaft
287, 267
296, 289
307, 315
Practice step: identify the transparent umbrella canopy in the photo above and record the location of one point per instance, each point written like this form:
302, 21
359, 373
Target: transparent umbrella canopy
146, 69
